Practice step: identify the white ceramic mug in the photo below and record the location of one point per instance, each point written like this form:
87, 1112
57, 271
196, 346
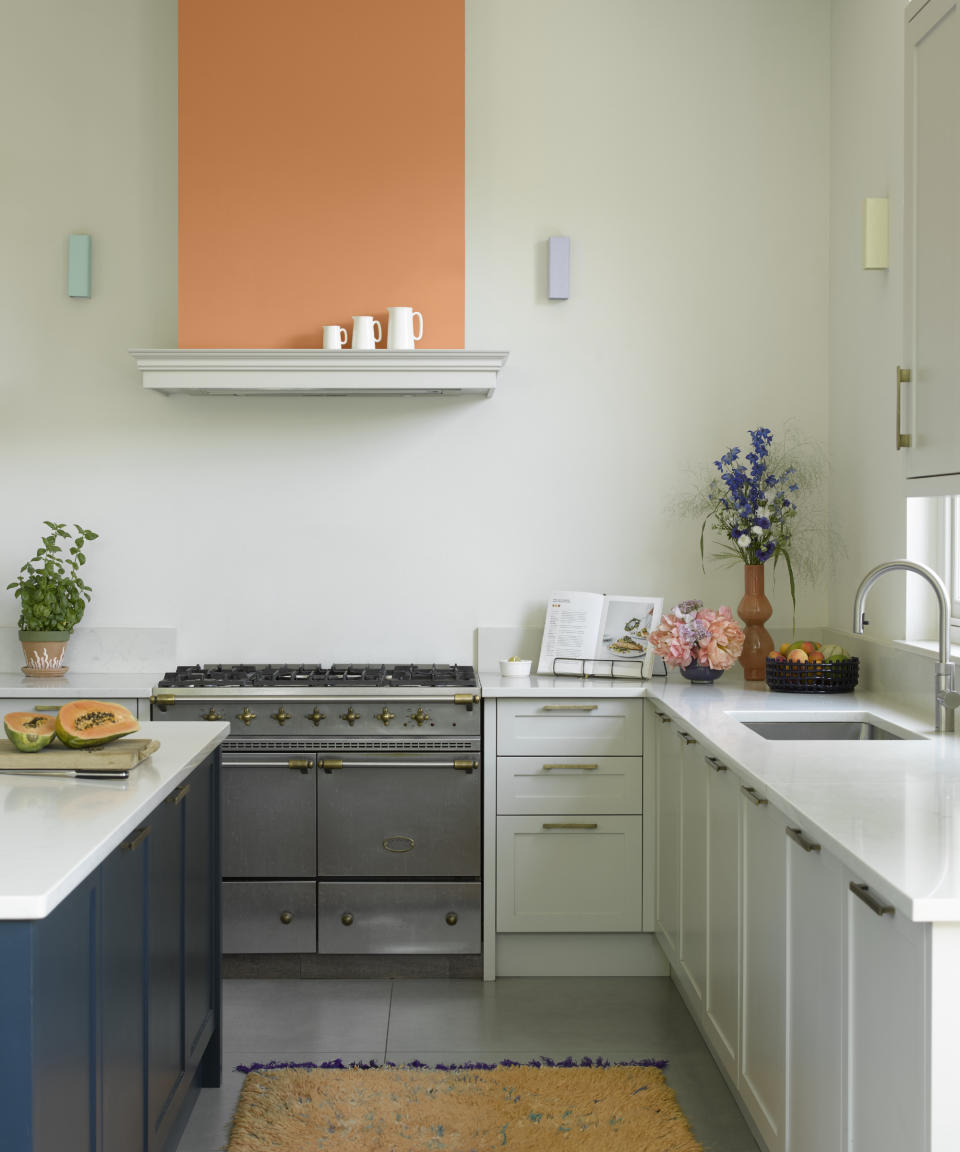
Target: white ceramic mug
366, 332
400, 328
334, 336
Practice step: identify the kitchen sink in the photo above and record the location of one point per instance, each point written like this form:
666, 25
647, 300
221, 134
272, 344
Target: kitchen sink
832, 728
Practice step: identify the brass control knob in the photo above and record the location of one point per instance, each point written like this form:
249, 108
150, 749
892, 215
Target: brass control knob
451, 918
316, 716
246, 715
350, 716
211, 715
385, 716
346, 919
420, 716
281, 715
286, 917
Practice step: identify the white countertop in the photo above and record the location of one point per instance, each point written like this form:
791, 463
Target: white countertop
79, 685
889, 809
54, 831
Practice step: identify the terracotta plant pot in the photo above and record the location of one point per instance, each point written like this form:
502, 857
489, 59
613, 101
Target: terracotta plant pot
44, 653
754, 610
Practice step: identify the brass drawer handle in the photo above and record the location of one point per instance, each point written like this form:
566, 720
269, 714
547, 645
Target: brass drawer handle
903, 438
346, 919
753, 796
582, 767
451, 918
715, 764
797, 836
137, 838
585, 826
46, 707
686, 737
286, 917
570, 707
663, 717
179, 794
862, 892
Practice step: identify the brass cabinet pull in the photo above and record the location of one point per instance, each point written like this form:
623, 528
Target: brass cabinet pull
46, 707
797, 836
585, 826
303, 766
137, 838
753, 796
346, 919
715, 764
179, 794
451, 918
686, 737
663, 717
862, 892
580, 767
903, 438
570, 707
286, 917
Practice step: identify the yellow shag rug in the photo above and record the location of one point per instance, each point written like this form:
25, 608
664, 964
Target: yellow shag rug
521, 1108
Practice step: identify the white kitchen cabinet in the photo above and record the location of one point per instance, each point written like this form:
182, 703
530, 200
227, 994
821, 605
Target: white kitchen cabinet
815, 911
569, 815
569, 873
721, 1001
668, 790
763, 1054
887, 990
931, 237
693, 866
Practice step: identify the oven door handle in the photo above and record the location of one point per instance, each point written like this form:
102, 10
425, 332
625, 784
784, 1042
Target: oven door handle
298, 763
394, 762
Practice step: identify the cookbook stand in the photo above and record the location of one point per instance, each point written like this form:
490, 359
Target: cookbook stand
590, 668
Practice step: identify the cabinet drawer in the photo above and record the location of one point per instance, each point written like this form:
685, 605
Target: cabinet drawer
569, 727
269, 915
532, 784
398, 917
569, 873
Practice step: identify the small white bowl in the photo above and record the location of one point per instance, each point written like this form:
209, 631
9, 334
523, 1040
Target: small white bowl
514, 667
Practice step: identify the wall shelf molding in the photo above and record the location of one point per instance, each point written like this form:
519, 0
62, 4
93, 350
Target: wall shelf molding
314, 372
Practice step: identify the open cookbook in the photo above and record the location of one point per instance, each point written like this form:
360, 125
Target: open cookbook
592, 634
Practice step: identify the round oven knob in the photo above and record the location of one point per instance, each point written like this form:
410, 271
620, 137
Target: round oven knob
385, 716
420, 716
350, 716
246, 715
213, 714
346, 919
281, 715
451, 918
286, 917
316, 716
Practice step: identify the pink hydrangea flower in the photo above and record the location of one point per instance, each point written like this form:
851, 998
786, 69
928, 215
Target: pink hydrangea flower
692, 634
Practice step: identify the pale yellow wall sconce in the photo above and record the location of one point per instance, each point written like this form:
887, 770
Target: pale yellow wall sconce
876, 233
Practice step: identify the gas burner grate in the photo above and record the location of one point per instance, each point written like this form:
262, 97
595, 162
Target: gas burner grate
316, 676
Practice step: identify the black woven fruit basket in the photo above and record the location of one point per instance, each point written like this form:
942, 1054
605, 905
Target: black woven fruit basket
813, 676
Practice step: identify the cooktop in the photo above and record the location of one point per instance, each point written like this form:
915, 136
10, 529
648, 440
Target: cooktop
241, 676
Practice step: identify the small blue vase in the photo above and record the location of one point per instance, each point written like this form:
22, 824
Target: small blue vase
700, 674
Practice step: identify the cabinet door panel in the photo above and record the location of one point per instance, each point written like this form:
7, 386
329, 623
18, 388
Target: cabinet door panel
199, 911
693, 869
576, 879
887, 1009
764, 994
669, 791
722, 995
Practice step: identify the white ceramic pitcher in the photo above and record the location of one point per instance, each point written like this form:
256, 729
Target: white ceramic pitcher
367, 332
400, 332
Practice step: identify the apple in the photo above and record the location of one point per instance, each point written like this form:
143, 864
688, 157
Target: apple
798, 656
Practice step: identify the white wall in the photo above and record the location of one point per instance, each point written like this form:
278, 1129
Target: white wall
865, 306
683, 147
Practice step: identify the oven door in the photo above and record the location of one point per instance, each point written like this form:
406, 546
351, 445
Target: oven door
269, 814
393, 814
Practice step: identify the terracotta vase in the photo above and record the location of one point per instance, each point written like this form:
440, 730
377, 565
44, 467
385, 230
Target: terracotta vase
754, 610
44, 653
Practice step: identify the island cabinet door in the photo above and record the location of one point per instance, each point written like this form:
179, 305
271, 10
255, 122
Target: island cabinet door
201, 912
123, 985
63, 1092
887, 983
165, 1020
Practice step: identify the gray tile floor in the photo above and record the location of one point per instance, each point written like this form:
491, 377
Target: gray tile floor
453, 1021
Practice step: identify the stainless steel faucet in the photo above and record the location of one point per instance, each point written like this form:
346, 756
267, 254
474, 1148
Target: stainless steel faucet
946, 698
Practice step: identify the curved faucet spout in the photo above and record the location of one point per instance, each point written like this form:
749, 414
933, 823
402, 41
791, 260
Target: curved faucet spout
944, 694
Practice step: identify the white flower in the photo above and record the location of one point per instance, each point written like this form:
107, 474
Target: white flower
743, 540
757, 530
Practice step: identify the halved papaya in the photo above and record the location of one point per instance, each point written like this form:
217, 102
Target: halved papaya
29, 731
89, 723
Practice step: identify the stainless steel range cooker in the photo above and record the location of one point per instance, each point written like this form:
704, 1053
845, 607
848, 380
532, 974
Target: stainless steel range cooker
351, 805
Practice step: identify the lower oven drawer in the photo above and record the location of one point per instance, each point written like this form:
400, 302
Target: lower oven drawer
398, 917
269, 915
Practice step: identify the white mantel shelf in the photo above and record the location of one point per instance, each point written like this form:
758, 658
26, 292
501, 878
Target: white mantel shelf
315, 372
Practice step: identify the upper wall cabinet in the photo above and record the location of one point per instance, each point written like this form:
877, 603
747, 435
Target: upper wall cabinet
313, 372
929, 402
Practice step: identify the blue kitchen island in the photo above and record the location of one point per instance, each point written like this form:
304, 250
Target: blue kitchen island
110, 950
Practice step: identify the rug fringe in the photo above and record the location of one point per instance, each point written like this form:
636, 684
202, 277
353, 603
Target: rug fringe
543, 1062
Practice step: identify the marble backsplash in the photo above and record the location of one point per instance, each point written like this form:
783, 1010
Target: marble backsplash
104, 650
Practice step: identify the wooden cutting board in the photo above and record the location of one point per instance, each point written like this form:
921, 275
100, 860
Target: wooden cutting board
120, 756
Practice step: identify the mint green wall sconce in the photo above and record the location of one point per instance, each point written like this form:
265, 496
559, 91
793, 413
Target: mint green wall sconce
78, 264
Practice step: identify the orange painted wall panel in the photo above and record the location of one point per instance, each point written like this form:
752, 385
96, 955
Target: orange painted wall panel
321, 168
